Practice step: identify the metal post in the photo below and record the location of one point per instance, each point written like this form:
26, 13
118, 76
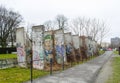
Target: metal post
31, 69
1, 63
70, 62
63, 63
51, 66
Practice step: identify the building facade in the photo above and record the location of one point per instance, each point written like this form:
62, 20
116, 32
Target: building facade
115, 42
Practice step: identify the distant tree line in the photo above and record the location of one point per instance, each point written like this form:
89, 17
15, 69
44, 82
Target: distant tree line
93, 28
10, 20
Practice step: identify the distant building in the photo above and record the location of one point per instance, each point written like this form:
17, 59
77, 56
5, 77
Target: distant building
115, 42
105, 44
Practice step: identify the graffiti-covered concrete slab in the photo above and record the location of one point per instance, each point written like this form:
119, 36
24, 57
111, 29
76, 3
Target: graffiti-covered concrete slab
70, 53
37, 43
20, 45
59, 46
48, 45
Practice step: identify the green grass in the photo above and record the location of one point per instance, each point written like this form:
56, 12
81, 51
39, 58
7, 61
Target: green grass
116, 52
115, 78
101, 52
7, 56
19, 75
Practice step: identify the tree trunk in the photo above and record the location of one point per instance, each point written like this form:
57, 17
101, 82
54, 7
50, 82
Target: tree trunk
12, 40
3, 44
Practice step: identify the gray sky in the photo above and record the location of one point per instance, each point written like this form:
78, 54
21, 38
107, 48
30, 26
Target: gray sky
39, 11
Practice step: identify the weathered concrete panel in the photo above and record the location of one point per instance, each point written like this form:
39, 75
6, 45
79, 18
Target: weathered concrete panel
20, 44
59, 45
37, 42
48, 45
80, 41
88, 45
76, 42
69, 47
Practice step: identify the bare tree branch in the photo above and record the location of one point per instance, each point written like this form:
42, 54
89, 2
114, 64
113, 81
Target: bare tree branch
9, 20
77, 25
61, 21
104, 30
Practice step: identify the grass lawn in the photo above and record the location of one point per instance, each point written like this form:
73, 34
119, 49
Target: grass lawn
115, 78
116, 52
7, 56
101, 52
18, 75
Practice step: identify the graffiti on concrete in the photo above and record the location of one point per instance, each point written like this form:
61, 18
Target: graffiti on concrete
48, 46
38, 51
69, 47
20, 41
51, 44
88, 44
68, 43
59, 46
20, 52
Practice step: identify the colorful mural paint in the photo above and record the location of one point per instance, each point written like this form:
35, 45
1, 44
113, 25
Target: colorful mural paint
69, 47
51, 44
59, 46
28, 49
48, 46
37, 47
20, 45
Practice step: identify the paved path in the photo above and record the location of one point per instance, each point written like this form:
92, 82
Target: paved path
84, 73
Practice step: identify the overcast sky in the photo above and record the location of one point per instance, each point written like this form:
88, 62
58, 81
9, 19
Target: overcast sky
39, 11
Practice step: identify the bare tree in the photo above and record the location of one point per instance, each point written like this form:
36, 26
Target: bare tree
61, 21
104, 30
12, 38
98, 30
73, 27
9, 20
29, 30
77, 25
82, 26
95, 29
49, 25
87, 27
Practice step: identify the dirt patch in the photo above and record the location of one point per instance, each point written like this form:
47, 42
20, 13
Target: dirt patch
56, 67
